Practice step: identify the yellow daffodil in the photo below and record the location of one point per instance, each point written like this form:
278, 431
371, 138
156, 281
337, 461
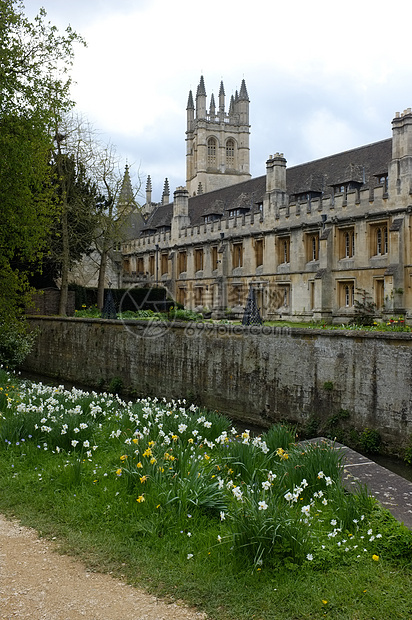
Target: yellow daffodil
140, 499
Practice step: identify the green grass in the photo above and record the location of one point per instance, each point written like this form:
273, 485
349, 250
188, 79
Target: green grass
174, 500
394, 324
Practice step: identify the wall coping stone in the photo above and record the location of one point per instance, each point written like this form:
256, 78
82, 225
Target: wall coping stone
264, 330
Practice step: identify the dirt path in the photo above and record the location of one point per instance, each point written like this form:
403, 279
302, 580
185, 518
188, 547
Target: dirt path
38, 584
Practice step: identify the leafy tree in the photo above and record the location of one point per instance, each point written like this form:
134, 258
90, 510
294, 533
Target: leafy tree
34, 89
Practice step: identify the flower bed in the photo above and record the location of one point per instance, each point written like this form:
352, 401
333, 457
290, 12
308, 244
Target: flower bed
265, 500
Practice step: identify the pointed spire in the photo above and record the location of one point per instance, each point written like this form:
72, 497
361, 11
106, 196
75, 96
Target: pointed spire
126, 196
201, 90
221, 101
232, 105
190, 104
201, 99
166, 193
212, 110
148, 190
243, 91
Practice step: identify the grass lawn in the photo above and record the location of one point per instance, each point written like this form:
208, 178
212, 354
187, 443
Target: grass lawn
176, 501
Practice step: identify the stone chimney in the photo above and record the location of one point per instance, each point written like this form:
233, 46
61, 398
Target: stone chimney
180, 217
400, 169
276, 173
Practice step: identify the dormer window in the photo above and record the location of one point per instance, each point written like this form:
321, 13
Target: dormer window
235, 212
302, 197
383, 180
211, 217
344, 188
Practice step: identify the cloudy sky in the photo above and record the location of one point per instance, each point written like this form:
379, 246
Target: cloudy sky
322, 76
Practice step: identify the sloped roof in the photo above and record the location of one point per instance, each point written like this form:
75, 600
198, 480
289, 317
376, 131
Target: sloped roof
161, 216
361, 165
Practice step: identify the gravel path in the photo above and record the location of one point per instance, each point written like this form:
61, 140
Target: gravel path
39, 584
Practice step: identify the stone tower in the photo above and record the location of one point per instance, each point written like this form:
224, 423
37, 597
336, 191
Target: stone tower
217, 152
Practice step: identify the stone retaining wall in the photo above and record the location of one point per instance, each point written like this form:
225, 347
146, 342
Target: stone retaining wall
256, 375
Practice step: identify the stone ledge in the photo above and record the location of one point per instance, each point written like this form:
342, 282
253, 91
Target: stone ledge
391, 490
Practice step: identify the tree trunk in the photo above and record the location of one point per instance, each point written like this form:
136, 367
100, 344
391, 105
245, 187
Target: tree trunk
102, 276
64, 286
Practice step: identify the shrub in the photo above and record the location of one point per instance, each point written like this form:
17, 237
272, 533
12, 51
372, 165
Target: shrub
116, 385
177, 314
370, 440
15, 343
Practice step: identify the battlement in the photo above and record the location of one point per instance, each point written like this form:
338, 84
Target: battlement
353, 204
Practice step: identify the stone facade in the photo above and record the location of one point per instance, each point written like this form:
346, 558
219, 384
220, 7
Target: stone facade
309, 239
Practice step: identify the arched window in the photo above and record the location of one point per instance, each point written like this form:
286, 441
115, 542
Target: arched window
211, 152
379, 239
230, 153
349, 250
315, 247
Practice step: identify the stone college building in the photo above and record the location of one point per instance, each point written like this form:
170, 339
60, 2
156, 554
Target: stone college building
309, 239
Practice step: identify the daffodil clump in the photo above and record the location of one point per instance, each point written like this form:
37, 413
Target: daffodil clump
176, 471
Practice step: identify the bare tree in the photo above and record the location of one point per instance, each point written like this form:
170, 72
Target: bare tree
115, 196
119, 205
